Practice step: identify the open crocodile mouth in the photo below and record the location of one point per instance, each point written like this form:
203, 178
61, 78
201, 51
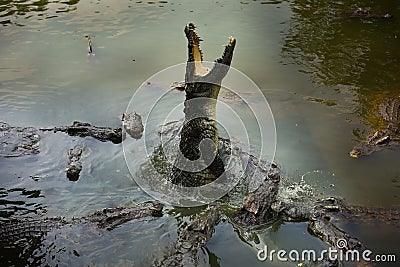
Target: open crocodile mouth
196, 55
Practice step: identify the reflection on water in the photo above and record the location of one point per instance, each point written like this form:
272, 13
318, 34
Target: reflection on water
335, 48
338, 49
18, 12
302, 53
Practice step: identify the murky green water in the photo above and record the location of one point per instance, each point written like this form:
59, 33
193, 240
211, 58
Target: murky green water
319, 69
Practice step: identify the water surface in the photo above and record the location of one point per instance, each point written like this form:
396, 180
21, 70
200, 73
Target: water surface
319, 69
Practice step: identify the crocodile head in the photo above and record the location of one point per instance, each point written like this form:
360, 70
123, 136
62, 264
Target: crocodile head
379, 140
197, 74
384, 116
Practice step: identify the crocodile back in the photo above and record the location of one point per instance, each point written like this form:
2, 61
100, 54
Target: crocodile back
389, 109
14, 230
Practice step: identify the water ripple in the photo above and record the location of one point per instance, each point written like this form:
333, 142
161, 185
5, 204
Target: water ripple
11, 12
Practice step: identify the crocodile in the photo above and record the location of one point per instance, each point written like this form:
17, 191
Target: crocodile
14, 230
24, 240
265, 205
202, 86
74, 163
132, 124
191, 240
18, 141
367, 14
386, 114
84, 129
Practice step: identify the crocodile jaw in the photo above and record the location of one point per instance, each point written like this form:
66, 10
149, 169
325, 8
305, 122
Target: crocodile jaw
195, 57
